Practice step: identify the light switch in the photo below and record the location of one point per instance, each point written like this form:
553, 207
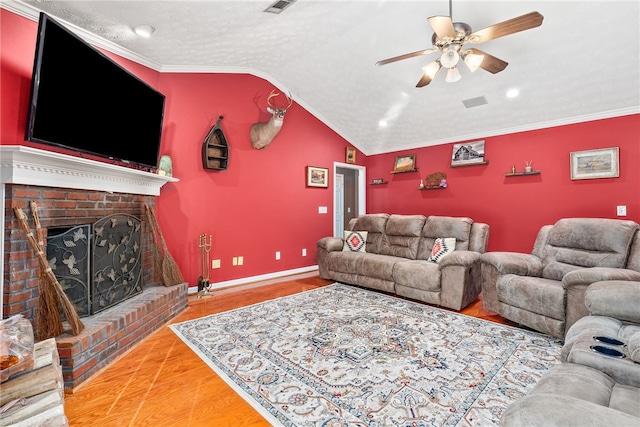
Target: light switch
622, 211
322, 209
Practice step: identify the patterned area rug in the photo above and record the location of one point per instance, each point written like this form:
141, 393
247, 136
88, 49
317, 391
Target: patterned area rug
343, 356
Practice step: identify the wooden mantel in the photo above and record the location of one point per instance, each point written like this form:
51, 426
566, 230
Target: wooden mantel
31, 166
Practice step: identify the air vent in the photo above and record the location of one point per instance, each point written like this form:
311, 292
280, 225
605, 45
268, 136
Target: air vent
279, 6
475, 102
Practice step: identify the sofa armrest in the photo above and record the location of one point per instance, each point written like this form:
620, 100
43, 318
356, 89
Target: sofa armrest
331, 244
460, 279
459, 258
614, 298
513, 263
497, 264
577, 282
539, 409
587, 276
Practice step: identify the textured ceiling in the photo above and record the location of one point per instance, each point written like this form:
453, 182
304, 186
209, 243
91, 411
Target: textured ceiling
582, 63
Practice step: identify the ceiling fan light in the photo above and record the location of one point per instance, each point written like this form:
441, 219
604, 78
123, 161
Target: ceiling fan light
431, 69
449, 58
453, 75
473, 61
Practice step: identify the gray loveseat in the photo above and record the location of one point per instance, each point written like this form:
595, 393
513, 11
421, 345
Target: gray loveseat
545, 289
396, 259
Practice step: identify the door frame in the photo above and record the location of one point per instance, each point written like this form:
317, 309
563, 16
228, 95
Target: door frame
362, 193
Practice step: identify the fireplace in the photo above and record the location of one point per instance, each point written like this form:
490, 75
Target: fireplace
92, 199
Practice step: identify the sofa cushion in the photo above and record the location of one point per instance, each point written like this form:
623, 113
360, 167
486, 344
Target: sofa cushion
541, 296
375, 265
402, 235
444, 226
443, 246
586, 242
355, 241
374, 225
419, 274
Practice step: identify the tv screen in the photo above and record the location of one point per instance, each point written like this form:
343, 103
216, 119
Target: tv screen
82, 100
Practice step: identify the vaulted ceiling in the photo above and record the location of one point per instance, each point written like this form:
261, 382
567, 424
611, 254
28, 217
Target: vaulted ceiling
582, 63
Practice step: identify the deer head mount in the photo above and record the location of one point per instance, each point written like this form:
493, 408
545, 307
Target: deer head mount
261, 134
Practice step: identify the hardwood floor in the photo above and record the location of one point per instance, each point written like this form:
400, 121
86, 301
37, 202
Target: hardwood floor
161, 382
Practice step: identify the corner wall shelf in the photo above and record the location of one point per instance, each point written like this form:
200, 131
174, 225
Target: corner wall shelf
521, 173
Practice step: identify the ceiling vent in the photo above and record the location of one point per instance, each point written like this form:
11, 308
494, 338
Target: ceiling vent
279, 6
475, 102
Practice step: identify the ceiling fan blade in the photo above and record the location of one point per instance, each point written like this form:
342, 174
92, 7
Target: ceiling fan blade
515, 25
429, 73
442, 26
406, 56
490, 63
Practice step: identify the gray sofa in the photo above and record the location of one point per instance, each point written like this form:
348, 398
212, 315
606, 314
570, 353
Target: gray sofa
588, 388
396, 258
544, 290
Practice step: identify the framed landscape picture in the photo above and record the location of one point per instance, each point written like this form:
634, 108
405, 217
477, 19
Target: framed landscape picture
468, 153
405, 163
317, 176
593, 164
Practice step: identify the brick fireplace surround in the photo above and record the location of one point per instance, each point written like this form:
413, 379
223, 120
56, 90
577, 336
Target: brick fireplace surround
71, 191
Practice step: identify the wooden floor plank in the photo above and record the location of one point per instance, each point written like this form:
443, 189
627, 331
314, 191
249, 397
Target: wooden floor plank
161, 382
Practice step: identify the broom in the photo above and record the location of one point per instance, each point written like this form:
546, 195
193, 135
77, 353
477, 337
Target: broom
170, 270
158, 256
48, 321
50, 278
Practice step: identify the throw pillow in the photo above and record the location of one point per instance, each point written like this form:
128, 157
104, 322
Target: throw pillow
355, 241
442, 247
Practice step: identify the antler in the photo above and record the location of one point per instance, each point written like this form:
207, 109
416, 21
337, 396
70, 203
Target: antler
273, 94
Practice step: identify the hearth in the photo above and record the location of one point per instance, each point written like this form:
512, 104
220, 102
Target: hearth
102, 202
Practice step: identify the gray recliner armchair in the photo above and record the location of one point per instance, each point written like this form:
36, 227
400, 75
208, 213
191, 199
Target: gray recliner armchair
544, 290
598, 381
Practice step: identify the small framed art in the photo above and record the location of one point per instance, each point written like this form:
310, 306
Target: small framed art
317, 176
405, 163
469, 153
593, 164
351, 155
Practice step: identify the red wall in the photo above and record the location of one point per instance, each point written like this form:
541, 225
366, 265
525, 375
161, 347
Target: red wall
516, 207
260, 205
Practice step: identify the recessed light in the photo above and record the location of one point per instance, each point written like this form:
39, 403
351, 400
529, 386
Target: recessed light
382, 123
144, 30
512, 93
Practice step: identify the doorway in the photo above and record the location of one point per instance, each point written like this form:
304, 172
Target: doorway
349, 195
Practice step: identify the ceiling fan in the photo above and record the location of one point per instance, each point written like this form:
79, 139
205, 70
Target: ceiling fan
450, 39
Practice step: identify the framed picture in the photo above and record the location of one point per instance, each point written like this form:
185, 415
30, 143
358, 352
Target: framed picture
317, 177
468, 153
351, 155
405, 163
592, 164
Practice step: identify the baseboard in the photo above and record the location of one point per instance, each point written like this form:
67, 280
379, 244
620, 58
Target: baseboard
259, 278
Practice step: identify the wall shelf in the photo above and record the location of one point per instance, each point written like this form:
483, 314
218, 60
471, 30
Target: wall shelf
378, 183
521, 173
436, 187
407, 171
464, 165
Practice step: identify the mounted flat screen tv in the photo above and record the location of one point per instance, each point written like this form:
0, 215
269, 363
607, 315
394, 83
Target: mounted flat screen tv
83, 101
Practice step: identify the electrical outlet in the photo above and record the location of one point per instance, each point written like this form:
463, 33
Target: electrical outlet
277, 255
622, 211
215, 263
234, 261
240, 260
304, 252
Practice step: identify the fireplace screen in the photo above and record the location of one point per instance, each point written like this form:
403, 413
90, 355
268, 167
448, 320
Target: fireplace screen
98, 265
